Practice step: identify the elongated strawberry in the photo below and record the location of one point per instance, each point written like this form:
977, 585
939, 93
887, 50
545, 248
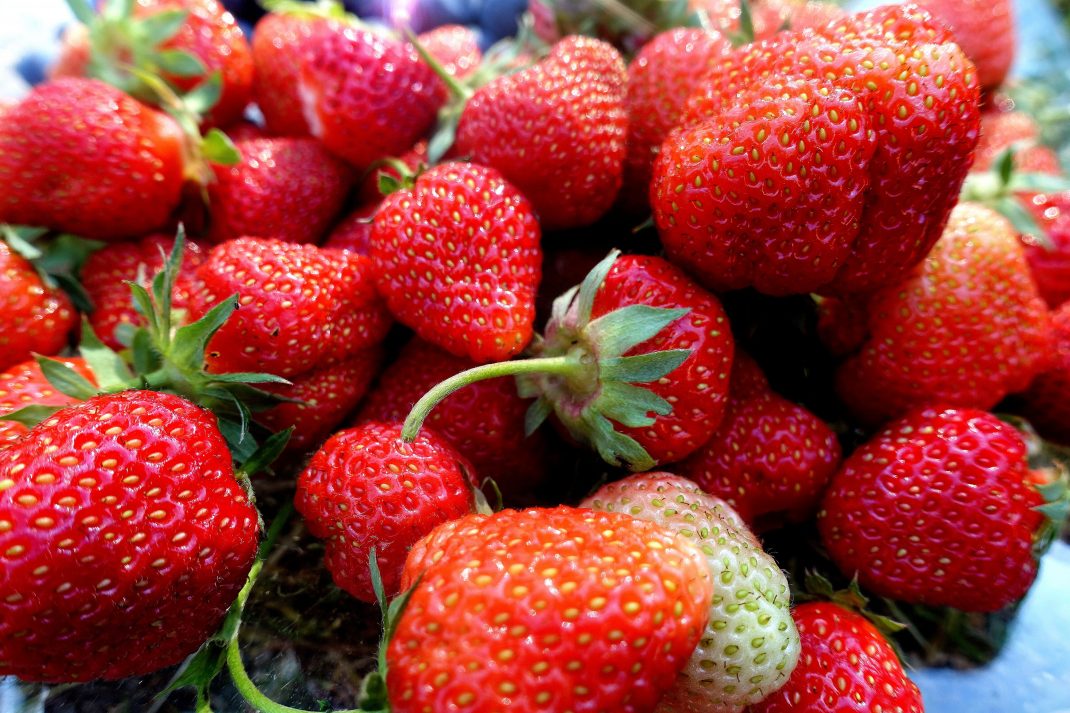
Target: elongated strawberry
124, 542
25, 385
457, 258
750, 645
845, 664
367, 489
1047, 401
595, 611
79, 156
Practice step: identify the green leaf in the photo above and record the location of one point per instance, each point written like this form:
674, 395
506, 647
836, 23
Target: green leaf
1012, 209
642, 368
562, 304
74, 289
267, 453
746, 22
187, 349
67, 253
162, 26
1038, 183
20, 238
1004, 165
111, 372
631, 405
219, 149
205, 95
249, 377
83, 10
242, 445
143, 304
143, 353
30, 416
442, 140
591, 284
377, 586
198, 671
388, 183
180, 63
620, 330
537, 413
614, 447
66, 380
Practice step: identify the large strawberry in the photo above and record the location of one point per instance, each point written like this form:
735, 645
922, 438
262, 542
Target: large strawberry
845, 665
457, 257
1047, 401
985, 30
937, 509
367, 489
769, 457
125, 537
25, 385
34, 317
559, 609
750, 645
966, 327
79, 156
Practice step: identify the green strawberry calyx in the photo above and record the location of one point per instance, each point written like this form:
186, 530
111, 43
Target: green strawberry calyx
580, 372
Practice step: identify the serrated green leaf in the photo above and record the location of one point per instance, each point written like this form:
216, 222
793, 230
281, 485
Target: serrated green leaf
631, 405
83, 10
162, 26
66, 380
187, 348
30, 416
205, 95
180, 63
109, 369
642, 368
620, 330
614, 447
591, 284
219, 149
536, 415
267, 453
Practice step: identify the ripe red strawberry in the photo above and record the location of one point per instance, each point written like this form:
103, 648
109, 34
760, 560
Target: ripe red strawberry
1047, 402
290, 189
24, 385
936, 510
556, 130
125, 538
456, 48
594, 611
106, 272
324, 398
484, 422
415, 160
769, 457
966, 328
354, 233
457, 259
366, 488
1002, 130
79, 156
34, 318
985, 29
845, 665
300, 307
1050, 264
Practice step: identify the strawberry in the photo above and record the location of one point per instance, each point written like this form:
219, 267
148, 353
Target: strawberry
79, 156
556, 130
106, 272
289, 189
484, 422
936, 509
845, 665
985, 30
769, 457
1013, 129
34, 317
457, 258
1050, 264
354, 232
25, 385
750, 645
456, 48
798, 14
367, 489
125, 538
592, 612
414, 160
300, 307
1047, 401
966, 328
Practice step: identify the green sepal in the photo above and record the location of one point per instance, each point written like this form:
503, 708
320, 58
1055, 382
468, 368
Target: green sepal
162, 26
590, 286
1011, 208
180, 63
118, 9
82, 10
30, 416
537, 413
643, 368
620, 330
1038, 183
631, 405
613, 446
22, 238
191, 341
66, 380
109, 369
218, 148
267, 453
205, 95
143, 355
143, 305
236, 433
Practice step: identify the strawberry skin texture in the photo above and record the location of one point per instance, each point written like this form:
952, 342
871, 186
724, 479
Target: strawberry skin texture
290, 189
484, 421
590, 612
301, 307
354, 232
458, 260
34, 318
557, 131
966, 328
1047, 401
769, 457
366, 488
24, 385
124, 541
79, 156
366, 96
846, 665
278, 42
1050, 266
985, 30
106, 272
456, 48
936, 510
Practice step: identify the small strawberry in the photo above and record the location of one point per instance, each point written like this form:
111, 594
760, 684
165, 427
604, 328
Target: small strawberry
559, 609
966, 328
290, 189
456, 48
457, 258
750, 645
1018, 130
1050, 263
936, 510
845, 665
79, 156
125, 538
769, 457
354, 232
367, 489
34, 318
25, 385
985, 29
1047, 401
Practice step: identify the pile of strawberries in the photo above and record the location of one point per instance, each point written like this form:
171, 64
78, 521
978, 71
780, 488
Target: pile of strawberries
321, 255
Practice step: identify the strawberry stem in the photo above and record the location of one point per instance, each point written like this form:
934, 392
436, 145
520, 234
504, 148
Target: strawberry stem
456, 88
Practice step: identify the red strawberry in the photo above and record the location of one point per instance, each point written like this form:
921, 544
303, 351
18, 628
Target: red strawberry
985, 30
300, 307
1047, 402
1013, 129
289, 189
484, 422
592, 612
125, 539
556, 130
769, 457
457, 258
354, 233
415, 160
106, 272
24, 385
936, 510
456, 48
366, 488
324, 398
1050, 264
798, 14
34, 318
966, 328
79, 156
845, 665
73, 57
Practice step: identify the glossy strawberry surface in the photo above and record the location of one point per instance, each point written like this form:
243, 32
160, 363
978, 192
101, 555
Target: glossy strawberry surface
34, 318
24, 385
